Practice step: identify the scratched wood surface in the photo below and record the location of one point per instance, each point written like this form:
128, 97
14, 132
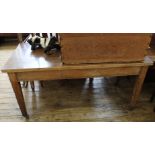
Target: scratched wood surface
74, 100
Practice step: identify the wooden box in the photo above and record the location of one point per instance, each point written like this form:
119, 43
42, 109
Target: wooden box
80, 48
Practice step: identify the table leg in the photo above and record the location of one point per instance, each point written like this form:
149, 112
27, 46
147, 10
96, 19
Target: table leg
18, 93
138, 85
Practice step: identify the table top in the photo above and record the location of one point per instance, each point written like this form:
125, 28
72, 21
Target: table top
24, 59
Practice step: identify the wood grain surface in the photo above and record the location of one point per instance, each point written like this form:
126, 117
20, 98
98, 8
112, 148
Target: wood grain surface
103, 47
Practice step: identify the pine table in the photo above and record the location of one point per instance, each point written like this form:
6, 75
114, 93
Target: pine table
25, 65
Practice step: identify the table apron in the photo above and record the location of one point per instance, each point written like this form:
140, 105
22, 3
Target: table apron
80, 73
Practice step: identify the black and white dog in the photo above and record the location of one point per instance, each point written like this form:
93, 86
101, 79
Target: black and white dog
48, 44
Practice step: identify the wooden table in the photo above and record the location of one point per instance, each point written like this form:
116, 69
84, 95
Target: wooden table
25, 65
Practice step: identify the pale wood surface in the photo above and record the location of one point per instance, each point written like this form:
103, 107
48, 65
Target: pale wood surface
23, 59
74, 100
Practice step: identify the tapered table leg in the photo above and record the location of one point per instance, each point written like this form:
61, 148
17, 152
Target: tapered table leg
138, 85
18, 93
